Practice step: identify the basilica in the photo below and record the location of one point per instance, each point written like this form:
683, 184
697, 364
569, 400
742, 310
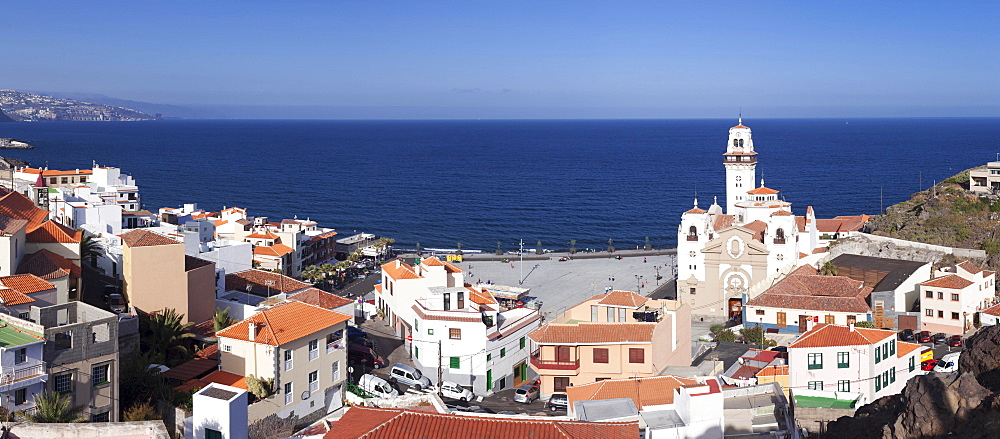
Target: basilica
725, 257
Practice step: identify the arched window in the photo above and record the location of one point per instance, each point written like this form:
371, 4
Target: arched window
736, 142
741, 143
692, 234
779, 236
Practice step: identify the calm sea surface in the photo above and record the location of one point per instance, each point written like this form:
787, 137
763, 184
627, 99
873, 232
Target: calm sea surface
479, 182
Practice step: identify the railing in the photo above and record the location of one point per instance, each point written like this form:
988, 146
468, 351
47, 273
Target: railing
22, 373
692, 237
779, 240
552, 364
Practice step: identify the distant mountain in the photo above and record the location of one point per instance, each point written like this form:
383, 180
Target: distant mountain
22, 106
165, 110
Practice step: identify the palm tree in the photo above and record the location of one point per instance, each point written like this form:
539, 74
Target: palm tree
328, 271
647, 246
55, 408
828, 269
611, 245
499, 251
312, 273
221, 319
572, 246
538, 249
138, 381
90, 248
166, 334
459, 252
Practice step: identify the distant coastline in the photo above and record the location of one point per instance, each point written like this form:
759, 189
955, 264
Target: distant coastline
8, 143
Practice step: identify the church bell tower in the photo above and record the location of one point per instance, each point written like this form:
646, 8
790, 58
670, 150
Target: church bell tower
740, 161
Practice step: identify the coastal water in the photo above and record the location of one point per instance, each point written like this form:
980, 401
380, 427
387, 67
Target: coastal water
480, 182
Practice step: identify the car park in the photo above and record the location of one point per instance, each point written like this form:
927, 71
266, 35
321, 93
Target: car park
906, 335
408, 375
955, 341
362, 354
558, 401
924, 337
377, 386
939, 338
455, 391
526, 393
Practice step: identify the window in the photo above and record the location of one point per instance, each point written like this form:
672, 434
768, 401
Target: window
929, 312
843, 360
815, 385
489, 357
64, 340
101, 333
331, 342
892, 348
455, 333
416, 352
101, 374
227, 348
288, 359
524, 341
212, 434
313, 381
844, 386
20, 355
503, 352
336, 371
461, 300
940, 314
63, 383
815, 361
313, 350
21, 396
621, 314
65, 180
954, 316
101, 417
455, 362
759, 312
416, 325
954, 297
430, 331
611, 315
593, 313
692, 290
878, 382
22, 315
447, 301
288, 394
559, 384
929, 294
892, 375
636, 355
940, 295
885, 379
600, 355
489, 378
913, 363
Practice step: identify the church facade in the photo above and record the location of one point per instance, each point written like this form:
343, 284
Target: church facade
725, 256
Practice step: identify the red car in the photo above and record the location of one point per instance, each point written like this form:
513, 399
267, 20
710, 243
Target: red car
928, 365
924, 337
955, 341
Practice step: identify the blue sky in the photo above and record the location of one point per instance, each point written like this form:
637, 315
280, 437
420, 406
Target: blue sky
503, 59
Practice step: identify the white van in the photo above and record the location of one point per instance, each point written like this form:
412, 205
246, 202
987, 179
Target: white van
948, 363
377, 386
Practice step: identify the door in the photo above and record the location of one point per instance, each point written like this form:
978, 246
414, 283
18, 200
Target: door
802, 323
828, 319
781, 320
562, 354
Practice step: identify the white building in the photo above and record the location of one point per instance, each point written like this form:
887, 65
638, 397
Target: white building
951, 299
805, 296
869, 363
220, 411
723, 255
446, 323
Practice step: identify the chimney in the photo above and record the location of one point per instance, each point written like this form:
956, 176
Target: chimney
252, 330
850, 327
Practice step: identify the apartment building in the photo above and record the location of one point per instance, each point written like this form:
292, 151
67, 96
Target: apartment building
950, 301
22, 363
157, 274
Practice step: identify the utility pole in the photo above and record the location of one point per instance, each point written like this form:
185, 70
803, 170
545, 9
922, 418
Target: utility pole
440, 365
520, 280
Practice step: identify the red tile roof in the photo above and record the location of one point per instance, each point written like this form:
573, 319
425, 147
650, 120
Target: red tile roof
903, 348
48, 265
969, 266
265, 235
762, 191
145, 238
10, 225
26, 283
622, 298
377, 423
284, 323
191, 369
219, 377
643, 391
723, 221
828, 335
817, 293
481, 297
53, 173
842, 224
320, 298
695, 210
589, 332
781, 213
952, 281
263, 282
277, 250
758, 227
18, 206
398, 269
993, 310
12, 297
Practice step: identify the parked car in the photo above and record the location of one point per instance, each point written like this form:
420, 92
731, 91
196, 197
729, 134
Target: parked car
117, 303
924, 337
955, 341
558, 401
780, 349
410, 376
939, 338
355, 332
928, 365
109, 290
455, 391
906, 335
526, 393
377, 386
948, 363
363, 354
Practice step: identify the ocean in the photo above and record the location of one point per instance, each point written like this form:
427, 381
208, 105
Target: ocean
438, 183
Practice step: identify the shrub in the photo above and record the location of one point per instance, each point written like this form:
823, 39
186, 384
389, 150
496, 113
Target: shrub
991, 246
726, 335
259, 387
271, 427
141, 411
864, 325
717, 328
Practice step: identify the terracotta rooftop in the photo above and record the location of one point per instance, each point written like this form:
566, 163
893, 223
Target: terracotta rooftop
191, 369
378, 423
17, 206
219, 377
969, 266
842, 224
829, 335
10, 225
48, 265
903, 348
622, 298
781, 213
53, 232
277, 250
815, 292
26, 283
695, 210
589, 332
758, 227
762, 191
398, 269
723, 221
952, 281
643, 391
993, 310
265, 235
263, 282
481, 297
320, 298
284, 323
145, 238
11, 297
53, 173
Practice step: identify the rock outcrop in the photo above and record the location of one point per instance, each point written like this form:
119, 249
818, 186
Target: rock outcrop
962, 404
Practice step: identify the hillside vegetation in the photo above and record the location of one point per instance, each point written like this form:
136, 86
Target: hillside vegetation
946, 214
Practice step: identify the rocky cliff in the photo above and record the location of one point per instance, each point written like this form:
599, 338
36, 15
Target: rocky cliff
963, 404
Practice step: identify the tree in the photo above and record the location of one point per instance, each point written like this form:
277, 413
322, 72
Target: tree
717, 328
260, 388
459, 252
828, 269
312, 273
141, 411
755, 335
166, 335
611, 245
90, 248
221, 319
726, 335
55, 408
139, 381
538, 249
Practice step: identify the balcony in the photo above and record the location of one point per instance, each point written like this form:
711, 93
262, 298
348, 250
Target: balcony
11, 376
545, 365
692, 237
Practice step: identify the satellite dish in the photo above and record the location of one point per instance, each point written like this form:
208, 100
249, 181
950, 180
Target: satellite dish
305, 395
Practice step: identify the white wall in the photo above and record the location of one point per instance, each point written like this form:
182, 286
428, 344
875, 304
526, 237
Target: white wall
229, 417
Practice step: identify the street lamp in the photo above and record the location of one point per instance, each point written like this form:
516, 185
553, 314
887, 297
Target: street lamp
657, 267
638, 283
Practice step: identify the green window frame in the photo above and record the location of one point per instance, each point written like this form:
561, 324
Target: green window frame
878, 382
878, 354
913, 363
455, 362
503, 352
843, 360
815, 361
416, 325
489, 357
489, 379
892, 347
892, 375
844, 386
885, 379
430, 331
523, 342
416, 352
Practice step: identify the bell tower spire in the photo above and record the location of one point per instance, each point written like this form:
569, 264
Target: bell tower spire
740, 161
